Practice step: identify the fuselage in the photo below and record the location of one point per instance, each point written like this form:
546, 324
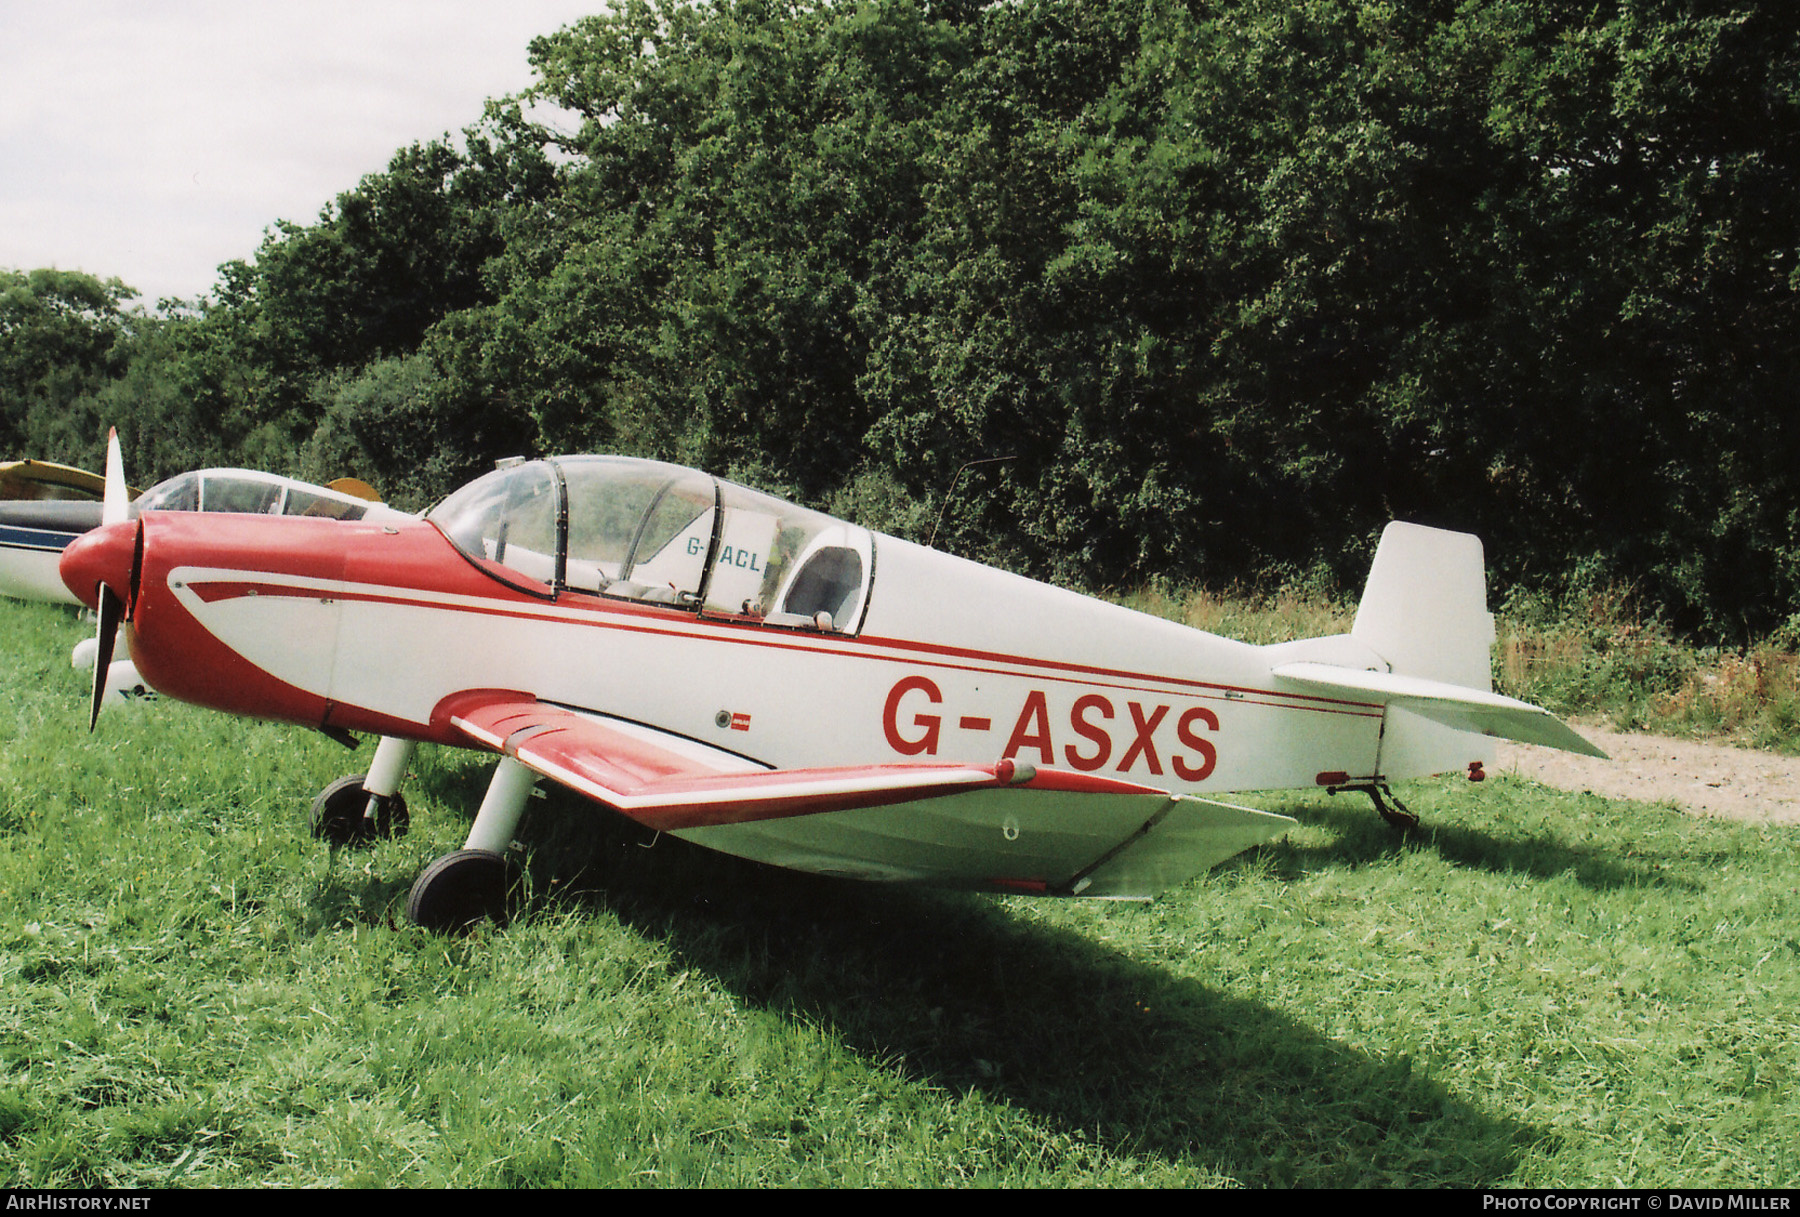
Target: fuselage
371, 627
33, 535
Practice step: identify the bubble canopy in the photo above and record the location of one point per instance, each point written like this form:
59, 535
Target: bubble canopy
629, 529
248, 491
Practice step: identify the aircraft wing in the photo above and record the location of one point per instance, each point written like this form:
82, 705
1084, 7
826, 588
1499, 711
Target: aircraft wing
669, 782
1006, 825
1452, 705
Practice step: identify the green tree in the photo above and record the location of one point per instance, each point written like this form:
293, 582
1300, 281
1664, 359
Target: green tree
1230, 284
385, 262
61, 339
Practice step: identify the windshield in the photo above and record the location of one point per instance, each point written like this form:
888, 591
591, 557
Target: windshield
505, 523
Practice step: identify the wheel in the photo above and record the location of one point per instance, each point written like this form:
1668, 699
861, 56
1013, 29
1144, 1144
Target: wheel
338, 814
461, 890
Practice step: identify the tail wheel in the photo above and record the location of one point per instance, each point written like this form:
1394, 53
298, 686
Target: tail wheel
461, 890
340, 814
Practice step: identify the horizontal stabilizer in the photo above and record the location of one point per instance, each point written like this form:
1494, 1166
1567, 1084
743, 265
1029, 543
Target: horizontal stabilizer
1452, 705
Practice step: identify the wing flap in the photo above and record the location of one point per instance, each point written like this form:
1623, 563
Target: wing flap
1456, 706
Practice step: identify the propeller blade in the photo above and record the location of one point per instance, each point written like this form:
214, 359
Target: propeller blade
112, 609
115, 506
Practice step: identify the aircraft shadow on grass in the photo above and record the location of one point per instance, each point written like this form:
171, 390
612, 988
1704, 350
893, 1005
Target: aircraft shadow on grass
1359, 839
963, 993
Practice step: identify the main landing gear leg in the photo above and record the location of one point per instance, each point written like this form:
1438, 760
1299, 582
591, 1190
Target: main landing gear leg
388, 768
471, 885
361, 808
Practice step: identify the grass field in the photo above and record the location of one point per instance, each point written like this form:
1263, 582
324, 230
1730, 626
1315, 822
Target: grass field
1540, 989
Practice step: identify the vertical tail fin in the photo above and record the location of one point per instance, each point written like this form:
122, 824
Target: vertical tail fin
1424, 609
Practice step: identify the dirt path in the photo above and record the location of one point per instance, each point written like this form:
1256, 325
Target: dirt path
1708, 779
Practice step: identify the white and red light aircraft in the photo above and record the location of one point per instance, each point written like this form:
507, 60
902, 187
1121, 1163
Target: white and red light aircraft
47, 506
44, 506
774, 683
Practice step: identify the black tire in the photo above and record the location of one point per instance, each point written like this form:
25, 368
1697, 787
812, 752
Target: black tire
338, 814
460, 891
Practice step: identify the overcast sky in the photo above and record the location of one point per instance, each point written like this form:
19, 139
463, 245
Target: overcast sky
152, 140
